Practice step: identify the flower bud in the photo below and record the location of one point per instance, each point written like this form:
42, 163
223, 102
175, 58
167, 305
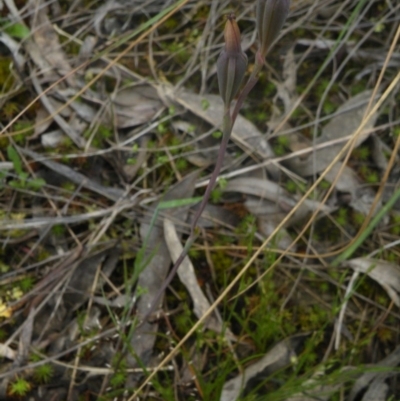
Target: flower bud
270, 15
232, 62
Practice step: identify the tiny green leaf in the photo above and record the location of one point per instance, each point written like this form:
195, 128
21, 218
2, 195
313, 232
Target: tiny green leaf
205, 104
16, 160
17, 30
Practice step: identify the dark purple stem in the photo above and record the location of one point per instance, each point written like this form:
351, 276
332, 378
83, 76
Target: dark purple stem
249, 86
226, 129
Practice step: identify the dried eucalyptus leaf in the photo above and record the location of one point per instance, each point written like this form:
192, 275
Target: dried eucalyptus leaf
371, 383
188, 277
134, 105
386, 274
279, 357
346, 121
245, 134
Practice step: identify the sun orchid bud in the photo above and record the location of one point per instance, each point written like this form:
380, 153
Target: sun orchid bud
270, 15
232, 62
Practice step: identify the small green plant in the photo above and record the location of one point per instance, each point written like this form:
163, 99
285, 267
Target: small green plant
43, 373
216, 194
217, 134
162, 159
20, 387
283, 140
26, 284
162, 128
21, 130
181, 164
99, 136
325, 184
58, 230
395, 226
291, 186
205, 104
372, 177
118, 379
281, 145
22, 182
362, 153
342, 217
3, 334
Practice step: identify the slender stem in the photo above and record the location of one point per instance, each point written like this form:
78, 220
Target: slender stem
226, 133
259, 62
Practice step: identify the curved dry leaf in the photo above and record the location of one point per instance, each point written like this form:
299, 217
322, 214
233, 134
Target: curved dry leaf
214, 216
47, 44
211, 109
87, 48
379, 147
384, 273
346, 121
286, 90
186, 270
78, 178
361, 196
42, 122
269, 215
279, 357
282, 240
7, 352
188, 278
374, 378
134, 105
269, 190
376, 392
262, 188
270, 204
113, 17
81, 283
313, 390
52, 139
348, 180
73, 134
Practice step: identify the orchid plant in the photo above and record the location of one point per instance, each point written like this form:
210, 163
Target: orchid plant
231, 68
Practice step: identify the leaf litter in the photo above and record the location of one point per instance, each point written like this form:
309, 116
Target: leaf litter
147, 145
153, 275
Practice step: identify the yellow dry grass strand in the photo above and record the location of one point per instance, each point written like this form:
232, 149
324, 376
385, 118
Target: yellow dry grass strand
348, 146
97, 77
